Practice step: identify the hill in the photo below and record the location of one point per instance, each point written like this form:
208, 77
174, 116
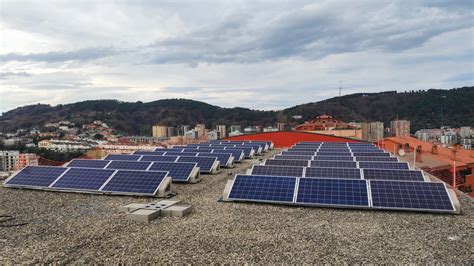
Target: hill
423, 108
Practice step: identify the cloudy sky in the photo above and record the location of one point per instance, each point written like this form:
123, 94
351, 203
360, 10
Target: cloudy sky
256, 54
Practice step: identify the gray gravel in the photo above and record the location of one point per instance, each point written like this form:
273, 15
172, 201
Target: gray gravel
80, 228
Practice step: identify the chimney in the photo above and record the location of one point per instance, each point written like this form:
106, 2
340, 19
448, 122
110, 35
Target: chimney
434, 149
457, 146
418, 154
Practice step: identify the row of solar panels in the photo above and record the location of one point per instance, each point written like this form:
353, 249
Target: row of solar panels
338, 179
321, 162
341, 193
344, 173
105, 181
136, 174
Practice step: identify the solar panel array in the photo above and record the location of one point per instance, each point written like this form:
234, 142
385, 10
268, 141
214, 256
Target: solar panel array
124, 182
354, 175
140, 173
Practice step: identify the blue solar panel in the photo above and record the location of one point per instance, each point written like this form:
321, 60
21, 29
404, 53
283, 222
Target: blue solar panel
334, 154
88, 163
128, 165
205, 163
83, 179
335, 192
179, 153
247, 151
222, 157
238, 154
159, 158
36, 176
275, 170
340, 164
149, 153
165, 149
400, 175
358, 154
410, 195
122, 157
286, 162
376, 159
177, 171
303, 150
384, 165
293, 157
290, 152
263, 188
135, 182
325, 172
333, 158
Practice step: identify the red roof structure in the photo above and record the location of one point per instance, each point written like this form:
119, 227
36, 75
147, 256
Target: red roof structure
285, 139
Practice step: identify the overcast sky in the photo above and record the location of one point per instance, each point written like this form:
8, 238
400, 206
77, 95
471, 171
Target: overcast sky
256, 54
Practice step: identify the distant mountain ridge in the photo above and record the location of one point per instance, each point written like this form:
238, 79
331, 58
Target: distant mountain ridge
422, 108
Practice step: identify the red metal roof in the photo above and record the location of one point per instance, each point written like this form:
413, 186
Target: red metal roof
283, 139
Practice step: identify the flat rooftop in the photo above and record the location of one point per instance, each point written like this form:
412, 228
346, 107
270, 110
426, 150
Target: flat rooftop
82, 228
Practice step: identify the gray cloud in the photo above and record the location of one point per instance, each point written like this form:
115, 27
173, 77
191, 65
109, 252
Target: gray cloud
60, 56
5, 75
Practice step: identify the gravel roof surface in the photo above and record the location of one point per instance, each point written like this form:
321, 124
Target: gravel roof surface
81, 228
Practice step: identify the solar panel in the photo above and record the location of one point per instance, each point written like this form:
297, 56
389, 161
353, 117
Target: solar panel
222, 157
358, 154
159, 158
297, 149
177, 171
263, 188
400, 175
286, 162
342, 154
384, 165
376, 159
332, 192
325, 172
166, 149
88, 163
198, 150
293, 157
333, 158
342, 150
410, 195
36, 176
149, 152
275, 170
339, 164
179, 153
238, 154
205, 163
128, 165
248, 152
135, 182
291, 152
83, 179
122, 157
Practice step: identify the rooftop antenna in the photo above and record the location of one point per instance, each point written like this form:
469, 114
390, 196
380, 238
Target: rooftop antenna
340, 88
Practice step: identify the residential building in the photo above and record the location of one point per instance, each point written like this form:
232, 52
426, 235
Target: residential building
222, 131
328, 125
400, 128
201, 131
8, 160
159, 131
235, 128
372, 131
212, 135
26, 159
281, 126
250, 130
170, 132
465, 132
